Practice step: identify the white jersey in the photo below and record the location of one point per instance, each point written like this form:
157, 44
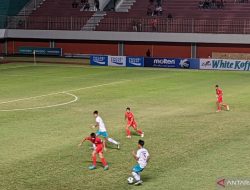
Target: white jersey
142, 155
101, 124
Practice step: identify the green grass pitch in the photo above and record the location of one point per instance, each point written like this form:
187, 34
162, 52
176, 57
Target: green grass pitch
190, 145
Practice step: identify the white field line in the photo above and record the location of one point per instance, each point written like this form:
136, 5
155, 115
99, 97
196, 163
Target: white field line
49, 106
16, 67
66, 91
55, 93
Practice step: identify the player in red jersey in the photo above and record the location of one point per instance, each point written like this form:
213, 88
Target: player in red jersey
129, 116
98, 150
219, 102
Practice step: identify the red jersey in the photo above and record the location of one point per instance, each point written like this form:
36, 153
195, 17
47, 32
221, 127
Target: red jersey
130, 116
97, 141
219, 92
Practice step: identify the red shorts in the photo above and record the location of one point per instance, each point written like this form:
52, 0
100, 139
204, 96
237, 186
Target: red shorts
220, 99
133, 124
99, 148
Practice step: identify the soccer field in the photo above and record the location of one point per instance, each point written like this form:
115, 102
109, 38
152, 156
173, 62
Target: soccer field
45, 110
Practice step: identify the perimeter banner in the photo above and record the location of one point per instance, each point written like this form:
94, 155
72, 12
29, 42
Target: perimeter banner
117, 61
40, 51
225, 64
135, 61
172, 63
99, 60
161, 62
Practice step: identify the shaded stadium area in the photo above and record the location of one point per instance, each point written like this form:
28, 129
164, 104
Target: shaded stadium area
178, 16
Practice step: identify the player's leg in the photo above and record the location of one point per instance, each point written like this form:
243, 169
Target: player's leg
128, 131
139, 131
114, 142
107, 138
93, 161
136, 174
103, 160
226, 106
218, 106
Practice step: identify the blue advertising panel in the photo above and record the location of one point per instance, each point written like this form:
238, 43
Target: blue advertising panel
99, 60
135, 61
161, 62
40, 51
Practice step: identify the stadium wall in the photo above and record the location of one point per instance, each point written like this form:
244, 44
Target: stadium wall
131, 43
1, 46
87, 47
206, 50
14, 44
181, 50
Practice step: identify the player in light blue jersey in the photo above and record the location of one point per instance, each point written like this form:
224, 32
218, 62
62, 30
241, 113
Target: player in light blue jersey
142, 157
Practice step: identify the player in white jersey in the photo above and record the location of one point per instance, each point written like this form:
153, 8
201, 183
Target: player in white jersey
102, 131
142, 157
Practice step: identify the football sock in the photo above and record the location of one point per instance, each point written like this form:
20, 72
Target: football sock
218, 108
104, 163
136, 176
112, 141
128, 132
94, 160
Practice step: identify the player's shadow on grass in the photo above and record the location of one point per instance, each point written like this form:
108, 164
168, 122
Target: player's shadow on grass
146, 178
134, 134
111, 147
98, 163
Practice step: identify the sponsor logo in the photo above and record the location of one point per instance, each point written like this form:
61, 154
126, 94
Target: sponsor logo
225, 64
205, 63
117, 60
164, 61
99, 60
231, 65
185, 63
136, 61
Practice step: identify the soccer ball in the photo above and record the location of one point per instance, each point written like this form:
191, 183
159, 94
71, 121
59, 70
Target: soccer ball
130, 180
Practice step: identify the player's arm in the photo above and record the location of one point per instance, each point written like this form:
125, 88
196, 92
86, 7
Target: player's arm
134, 155
96, 125
84, 139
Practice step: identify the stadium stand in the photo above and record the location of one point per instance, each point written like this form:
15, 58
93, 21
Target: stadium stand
53, 15
10, 8
181, 16
177, 16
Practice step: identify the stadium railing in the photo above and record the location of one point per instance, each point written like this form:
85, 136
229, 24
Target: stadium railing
178, 25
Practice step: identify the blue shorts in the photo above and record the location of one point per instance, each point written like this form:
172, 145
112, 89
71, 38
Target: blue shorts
137, 168
103, 134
